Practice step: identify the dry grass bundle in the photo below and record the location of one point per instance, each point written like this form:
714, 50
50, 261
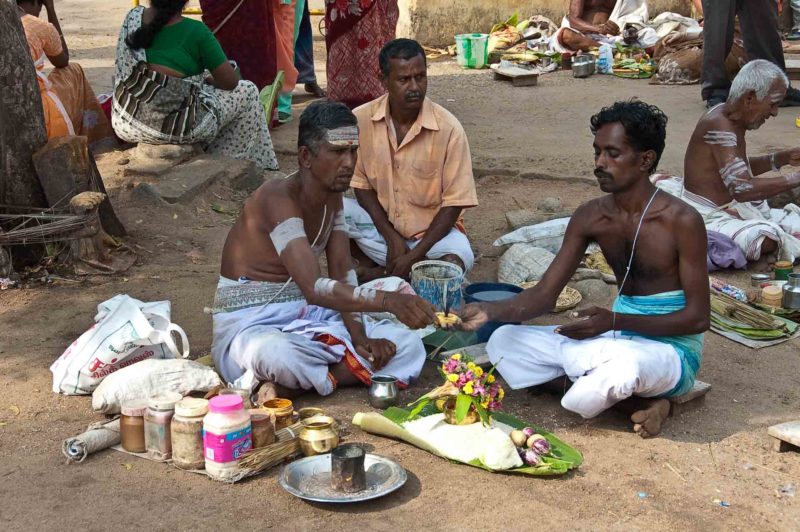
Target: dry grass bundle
726, 306
286, 445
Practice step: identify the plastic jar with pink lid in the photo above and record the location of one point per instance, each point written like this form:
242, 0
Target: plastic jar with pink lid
226, 435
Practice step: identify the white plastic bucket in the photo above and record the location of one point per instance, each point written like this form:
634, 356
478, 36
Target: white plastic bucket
472, 50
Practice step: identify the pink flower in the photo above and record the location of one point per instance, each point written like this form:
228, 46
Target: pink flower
451, 366
470, 375
462, 380
479, 389
494, 405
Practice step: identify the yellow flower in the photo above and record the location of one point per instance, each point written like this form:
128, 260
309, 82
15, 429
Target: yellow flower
490, 379
501, 393
485, 404
457, 356
478, 371
468, 388
452, 377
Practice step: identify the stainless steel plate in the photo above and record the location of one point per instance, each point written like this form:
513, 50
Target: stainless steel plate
310, 479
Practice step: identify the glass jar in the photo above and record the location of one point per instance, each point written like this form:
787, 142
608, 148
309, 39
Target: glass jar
187, 433
263, 427
282, 409
157, 422
131, 425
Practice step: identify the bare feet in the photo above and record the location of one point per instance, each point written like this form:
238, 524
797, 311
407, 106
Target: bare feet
764, 264
270, 390
315, 89
647, 422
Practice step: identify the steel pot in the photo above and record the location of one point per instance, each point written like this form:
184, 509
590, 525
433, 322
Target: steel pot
791, 292
384, 391
583, 66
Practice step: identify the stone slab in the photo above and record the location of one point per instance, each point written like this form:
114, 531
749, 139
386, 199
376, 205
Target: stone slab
786, 436
691, 400
185, 182
148, 159
477, 353
523, 217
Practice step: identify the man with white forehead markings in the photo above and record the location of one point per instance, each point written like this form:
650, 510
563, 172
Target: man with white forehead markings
278, 321
414, 174
719, 177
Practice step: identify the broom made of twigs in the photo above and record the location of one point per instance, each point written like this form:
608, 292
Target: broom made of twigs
258, 460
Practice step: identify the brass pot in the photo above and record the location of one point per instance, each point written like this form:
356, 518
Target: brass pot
318, 436
450, 413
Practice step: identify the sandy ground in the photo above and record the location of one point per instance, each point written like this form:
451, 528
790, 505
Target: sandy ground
527, 143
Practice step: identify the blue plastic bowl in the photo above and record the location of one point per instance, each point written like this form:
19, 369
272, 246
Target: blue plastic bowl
486, 293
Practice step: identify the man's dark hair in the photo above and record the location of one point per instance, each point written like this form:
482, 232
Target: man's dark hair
399, 49
318, 118
645, 125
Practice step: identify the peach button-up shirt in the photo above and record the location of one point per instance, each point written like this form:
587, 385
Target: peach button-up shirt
430, 169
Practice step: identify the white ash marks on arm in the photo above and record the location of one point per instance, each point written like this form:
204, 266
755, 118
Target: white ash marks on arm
726, 139
737, 176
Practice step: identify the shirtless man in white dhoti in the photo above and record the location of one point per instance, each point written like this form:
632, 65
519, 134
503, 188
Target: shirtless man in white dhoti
277, 319
719, 176
649, 344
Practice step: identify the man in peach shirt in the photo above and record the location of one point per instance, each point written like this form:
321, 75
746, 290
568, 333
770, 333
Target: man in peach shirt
413, 178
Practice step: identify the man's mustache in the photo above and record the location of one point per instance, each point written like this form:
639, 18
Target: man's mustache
601, 173
413, 95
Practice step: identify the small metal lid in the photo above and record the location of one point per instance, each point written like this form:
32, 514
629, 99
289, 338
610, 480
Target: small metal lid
191, 407
164, 401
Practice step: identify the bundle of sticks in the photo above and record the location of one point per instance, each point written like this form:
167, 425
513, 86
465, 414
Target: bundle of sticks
732, 308
286, 445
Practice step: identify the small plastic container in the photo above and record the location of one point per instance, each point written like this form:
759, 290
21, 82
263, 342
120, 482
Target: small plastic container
157, 425
263, 427
187, 433
227, 436
282, 409
241, 392
131, 426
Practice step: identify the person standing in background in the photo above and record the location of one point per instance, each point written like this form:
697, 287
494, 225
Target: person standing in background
794, 35
356, 32
759, 23
304, 55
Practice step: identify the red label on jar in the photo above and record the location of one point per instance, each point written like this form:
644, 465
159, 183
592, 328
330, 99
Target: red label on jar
221, 448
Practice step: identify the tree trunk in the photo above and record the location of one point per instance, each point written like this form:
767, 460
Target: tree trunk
22, 130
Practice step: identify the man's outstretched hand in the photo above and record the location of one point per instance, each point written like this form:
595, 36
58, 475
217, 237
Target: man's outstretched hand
592, 321
412, 310
473, 317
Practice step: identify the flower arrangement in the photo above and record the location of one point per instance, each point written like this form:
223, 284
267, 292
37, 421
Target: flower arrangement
472, 387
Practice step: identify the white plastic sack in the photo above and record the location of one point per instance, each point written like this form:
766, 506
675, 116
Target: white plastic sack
547, 235
151, 377
127, 331
523, 263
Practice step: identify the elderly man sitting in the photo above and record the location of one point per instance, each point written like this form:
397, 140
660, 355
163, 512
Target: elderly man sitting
414, 173
591, 23
719, 176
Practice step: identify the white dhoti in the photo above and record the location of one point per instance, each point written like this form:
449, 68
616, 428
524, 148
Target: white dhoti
747, 224
293, 344
362, 229
625, 12
604, 370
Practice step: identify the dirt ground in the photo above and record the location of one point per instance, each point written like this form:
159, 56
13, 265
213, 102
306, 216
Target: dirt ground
527, 143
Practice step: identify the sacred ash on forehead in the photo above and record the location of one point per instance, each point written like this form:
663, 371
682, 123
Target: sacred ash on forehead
342, 136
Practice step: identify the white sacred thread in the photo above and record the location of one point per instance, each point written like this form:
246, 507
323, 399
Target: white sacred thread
324, 286
727, 139
342, 136
286, 231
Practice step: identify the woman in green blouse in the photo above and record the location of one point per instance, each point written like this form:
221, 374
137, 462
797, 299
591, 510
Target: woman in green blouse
162, 94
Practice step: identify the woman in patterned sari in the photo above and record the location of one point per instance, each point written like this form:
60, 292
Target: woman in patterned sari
356, 32
162, 94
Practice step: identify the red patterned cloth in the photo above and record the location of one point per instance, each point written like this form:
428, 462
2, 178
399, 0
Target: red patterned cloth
356, 32
248, 36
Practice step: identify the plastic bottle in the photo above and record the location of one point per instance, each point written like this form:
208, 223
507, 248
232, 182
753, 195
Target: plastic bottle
605, 59
226, 435
187, 433
157, 422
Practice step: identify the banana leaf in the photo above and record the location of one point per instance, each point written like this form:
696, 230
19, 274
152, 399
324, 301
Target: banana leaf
749, 332
563, 457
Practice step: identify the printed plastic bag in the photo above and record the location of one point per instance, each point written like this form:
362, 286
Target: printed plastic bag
126, 331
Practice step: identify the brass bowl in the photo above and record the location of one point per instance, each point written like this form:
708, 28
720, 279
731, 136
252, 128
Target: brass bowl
450, 414
318, 436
